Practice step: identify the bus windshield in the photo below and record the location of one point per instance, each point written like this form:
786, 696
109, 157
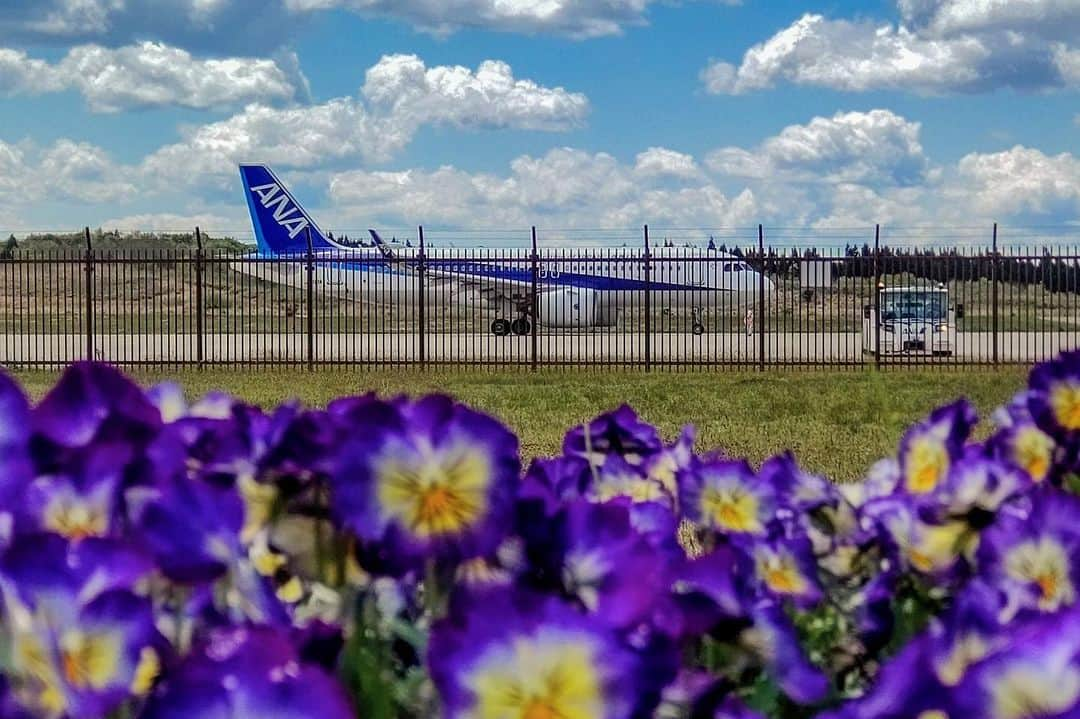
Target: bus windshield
914, 305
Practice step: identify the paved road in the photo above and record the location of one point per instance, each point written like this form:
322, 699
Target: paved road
598, 347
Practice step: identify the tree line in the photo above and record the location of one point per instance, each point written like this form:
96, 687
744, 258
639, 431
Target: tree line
1055, 273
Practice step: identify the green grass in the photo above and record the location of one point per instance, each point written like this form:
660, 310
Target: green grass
837, 423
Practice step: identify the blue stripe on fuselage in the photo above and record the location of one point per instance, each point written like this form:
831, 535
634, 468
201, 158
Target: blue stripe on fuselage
471, 269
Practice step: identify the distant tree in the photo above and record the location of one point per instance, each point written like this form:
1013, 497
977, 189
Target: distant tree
8, 251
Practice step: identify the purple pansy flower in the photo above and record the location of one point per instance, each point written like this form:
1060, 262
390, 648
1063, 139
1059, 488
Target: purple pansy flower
92, 403
786, 569
1025, 446
619, 433
514, 654
726, 495
772, 638
1054, 400
978, 483
16, 469
1034, 557
82, 642
424, 479
928, 449
1035, 675
607, 565
248, 672
616, 478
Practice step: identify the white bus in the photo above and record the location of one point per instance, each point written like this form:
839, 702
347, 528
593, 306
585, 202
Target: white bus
914, 320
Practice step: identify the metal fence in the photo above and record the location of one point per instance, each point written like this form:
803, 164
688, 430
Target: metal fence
757, 306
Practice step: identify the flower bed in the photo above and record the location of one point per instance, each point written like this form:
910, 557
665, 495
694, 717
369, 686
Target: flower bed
390, 558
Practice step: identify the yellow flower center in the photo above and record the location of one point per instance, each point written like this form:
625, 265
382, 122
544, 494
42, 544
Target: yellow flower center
545, 677
1027, 690
636, 489
966, 650
146, 672
435, 493
784, 580
1048, 585
927, 464
1033, 450
1065, 402
89, 660
936, 547
1045, 564
258, 505
72, 518
732, 509
540, 710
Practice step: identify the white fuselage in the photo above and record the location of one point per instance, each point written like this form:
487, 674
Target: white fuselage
603, 282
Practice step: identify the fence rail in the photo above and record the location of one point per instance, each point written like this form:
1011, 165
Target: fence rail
748, 307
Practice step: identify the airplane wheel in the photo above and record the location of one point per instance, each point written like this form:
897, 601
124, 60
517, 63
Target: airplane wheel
500, 327
521, 326
699, 329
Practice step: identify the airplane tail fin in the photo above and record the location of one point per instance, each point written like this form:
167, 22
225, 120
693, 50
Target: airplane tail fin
281, 225
380, 243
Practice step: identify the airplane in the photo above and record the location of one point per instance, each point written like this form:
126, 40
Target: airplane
573, 290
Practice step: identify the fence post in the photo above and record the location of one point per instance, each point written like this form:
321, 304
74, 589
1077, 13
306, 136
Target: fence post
877, 296
199, 297
422, 310
648, 303
310, 266
534, 262
89, 297
761, 298
995, 273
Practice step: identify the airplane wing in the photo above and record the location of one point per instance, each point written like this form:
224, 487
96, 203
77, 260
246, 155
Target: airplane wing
502, 283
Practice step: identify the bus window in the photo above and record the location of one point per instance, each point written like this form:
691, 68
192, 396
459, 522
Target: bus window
914, 305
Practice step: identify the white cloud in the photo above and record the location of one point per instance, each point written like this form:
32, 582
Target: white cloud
876, 147
403, 87
576, 18
169, 222
401, 94
935, 57
661, 162
149, 75
567, 186
66, 170
251, 24
852, 169
1020, 181
1068, 64
20, 73
220, 25
1047, 18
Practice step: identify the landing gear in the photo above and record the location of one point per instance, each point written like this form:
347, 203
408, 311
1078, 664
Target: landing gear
500, 327
698, 328
521, 326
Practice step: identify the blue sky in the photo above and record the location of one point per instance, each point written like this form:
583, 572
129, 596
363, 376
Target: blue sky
563, 113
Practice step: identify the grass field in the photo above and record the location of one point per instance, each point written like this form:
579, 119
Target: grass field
837, 423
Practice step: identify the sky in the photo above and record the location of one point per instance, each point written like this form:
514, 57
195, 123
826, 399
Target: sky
571, 115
